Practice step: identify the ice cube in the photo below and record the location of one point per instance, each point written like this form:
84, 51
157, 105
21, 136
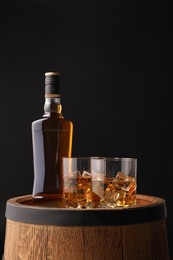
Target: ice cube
124, 182
121, 199
86, 175
121, 176
98, 176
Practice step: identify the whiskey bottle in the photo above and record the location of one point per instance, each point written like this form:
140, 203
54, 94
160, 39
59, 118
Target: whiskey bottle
52, 139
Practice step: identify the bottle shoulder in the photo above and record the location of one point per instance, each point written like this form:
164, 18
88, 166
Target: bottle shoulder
51, 123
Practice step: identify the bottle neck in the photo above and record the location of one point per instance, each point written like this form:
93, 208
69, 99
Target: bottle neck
52, 106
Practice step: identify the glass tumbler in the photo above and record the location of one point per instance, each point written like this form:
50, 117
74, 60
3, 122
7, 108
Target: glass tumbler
77, 188
114, 182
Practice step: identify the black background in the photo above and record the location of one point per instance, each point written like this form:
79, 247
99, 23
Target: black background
115, 60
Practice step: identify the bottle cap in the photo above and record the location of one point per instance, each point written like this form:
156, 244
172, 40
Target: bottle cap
52, 82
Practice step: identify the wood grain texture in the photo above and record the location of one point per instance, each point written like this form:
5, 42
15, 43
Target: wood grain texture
25, 241
132, 242
65, 243
145, 241
142, 241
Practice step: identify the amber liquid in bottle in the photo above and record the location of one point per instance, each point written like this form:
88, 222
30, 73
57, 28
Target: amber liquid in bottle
52, 140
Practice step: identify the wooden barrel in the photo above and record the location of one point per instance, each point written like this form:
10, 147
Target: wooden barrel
43, 233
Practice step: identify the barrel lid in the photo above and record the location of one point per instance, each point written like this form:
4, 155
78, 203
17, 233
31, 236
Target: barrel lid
148, 209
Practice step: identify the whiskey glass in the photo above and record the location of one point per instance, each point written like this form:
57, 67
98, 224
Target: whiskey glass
114, 182
77, 187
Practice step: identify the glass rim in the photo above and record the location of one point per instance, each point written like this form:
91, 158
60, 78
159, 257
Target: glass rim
77, 157
103, 158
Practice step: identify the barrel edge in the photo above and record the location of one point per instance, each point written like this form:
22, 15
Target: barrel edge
91, 217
